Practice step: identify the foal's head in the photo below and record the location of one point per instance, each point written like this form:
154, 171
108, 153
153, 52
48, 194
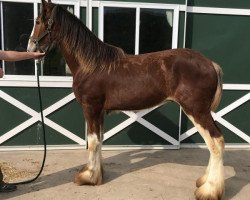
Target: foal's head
41, 36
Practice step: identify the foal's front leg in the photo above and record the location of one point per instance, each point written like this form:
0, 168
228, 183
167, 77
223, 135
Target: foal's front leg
91, 174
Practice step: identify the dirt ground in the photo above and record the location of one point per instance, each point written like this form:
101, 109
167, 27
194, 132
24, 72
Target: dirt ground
129, 175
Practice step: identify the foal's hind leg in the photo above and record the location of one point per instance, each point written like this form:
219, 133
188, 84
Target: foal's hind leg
91, 174
211, 185
200, 181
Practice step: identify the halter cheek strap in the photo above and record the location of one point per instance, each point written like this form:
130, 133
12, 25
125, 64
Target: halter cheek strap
47, 32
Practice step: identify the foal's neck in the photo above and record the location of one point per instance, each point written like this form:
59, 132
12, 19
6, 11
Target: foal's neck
81, 48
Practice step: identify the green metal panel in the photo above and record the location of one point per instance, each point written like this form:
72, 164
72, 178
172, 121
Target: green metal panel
238, 117
221, 3
136, 134
83, 14
10, 116
224, 39
95, 21
113, 119
34, 136
29, 96
69, 116
165, 118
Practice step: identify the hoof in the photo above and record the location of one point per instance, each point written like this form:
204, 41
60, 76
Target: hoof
209, 192
88, 177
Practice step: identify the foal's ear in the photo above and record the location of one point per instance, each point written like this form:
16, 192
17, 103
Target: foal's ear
43, 8
44, 3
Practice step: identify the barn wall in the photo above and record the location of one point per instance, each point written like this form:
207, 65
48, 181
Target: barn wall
218, 29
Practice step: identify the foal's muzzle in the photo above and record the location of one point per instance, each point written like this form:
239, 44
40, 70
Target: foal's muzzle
31, 46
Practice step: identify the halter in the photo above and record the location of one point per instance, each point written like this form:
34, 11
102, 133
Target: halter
47, 32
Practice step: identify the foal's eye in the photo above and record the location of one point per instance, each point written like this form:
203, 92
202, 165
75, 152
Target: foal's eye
37, 22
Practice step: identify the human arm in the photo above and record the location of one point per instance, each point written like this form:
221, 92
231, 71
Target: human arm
17, 56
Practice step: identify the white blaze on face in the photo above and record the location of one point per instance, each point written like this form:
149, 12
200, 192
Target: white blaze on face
31, 45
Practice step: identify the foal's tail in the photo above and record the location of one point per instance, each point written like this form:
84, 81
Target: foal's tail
218, 93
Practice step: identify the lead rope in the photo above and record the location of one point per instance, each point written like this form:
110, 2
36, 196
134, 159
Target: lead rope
44, 136
50, 22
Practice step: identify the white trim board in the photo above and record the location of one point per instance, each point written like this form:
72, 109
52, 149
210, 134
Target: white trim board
190, 9
57, 82
119, 147
217, 11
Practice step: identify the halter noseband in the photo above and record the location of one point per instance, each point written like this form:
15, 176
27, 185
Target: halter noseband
47, 32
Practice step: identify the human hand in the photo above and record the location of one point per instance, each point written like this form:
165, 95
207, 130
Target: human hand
38, 55
1, 72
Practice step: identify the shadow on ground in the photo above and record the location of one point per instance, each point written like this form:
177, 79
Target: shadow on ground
120, 164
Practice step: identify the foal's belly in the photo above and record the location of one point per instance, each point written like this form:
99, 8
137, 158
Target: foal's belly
134, 96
